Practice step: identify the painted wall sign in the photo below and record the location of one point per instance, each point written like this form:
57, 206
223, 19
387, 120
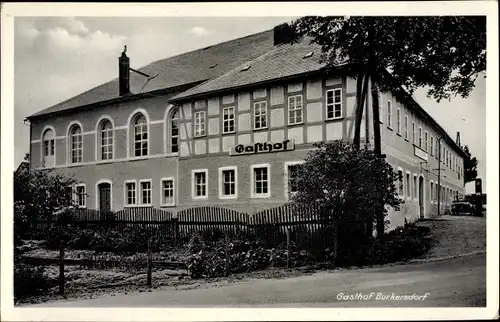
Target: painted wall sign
421, 153
240, 149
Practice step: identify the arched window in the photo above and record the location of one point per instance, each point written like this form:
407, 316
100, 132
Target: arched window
48, 148
174, 131
106, 140
140, 136
76, 144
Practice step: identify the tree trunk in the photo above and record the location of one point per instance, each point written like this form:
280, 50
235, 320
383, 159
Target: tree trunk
378, 151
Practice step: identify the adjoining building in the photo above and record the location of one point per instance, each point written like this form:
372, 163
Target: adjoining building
225, 125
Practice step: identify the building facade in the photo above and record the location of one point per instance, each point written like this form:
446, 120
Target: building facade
230, 132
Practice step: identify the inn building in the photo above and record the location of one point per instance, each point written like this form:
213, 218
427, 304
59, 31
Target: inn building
226, 125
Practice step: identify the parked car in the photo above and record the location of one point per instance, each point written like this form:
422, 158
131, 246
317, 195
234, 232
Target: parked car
462, 208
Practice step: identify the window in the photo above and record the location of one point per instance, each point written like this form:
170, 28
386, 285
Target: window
174, 131
432, 146
432, 192
76, 144
199, 184
419, 137
406, 127
291, 169
295, 115
389, 114
260, 181
401, 188
80, 195
130, 193
380, 107
106, 131
48, 147
140, 136
199, 123
408, 185
414, 186
145, 192
167, 194
413, 132
228, 182
260, 115
228, 119
334, 103
398, 117
426, 142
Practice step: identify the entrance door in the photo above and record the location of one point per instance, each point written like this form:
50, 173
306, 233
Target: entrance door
104, 197
421, 196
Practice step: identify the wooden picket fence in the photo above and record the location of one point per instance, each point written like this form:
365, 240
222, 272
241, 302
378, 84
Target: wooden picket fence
305, 224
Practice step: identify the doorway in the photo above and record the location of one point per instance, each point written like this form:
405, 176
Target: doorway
104, 201
421, 196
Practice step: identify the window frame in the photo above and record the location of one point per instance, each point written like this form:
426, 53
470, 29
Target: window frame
334, 104
162, 194
200, 128
413, 132
426, 141
125, 189
380, 107
401, 186
193, 184
73, 139
260, 104
221, 171
398, 117
389, 114
295, 109
287, 164
431, 147
406, 127
408, 185
233, 109
420, 137
171, 119
141, 141
142, 204
77, 195
111, 138
254, 194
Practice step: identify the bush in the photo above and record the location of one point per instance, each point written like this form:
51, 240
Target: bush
30, 280
245, 253
398, 245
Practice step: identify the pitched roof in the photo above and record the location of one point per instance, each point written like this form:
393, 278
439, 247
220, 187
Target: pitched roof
187, 68
282, 61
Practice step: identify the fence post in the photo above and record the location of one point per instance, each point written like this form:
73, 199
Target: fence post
226, 264
288, 248
175, 230
150, 262
61, 267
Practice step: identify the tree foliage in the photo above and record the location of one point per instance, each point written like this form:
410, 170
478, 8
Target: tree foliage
39, 195
470, 166
351, 183
443, 53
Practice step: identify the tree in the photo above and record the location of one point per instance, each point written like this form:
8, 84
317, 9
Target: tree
39, 195
346, 182
470, 166
400, 54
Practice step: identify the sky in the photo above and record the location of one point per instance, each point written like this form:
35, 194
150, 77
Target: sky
56, 58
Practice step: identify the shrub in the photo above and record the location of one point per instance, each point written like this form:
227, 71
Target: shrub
30, 280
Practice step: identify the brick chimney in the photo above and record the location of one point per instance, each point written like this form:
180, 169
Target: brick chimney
458, 139
283, 34
124, 73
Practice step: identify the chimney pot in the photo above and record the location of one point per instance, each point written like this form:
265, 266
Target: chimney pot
124, 73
